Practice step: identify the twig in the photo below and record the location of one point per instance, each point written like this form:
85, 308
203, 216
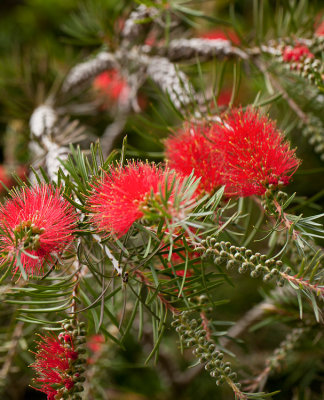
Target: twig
12, 350
105, 248
111, 133
277, 85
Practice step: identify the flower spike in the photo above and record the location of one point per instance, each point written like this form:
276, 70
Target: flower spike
256, 154
193, 148
245, 152
58, 363
124, 196
36, 226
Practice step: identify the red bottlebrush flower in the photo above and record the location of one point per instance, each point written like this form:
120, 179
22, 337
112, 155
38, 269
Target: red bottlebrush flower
179, 258
224, 34
53, 366
224, 97
193, 148
320, 29
38, 222
111, 85
181, 273
5, 178
245, 153
255, 152
117, 200
296, 53
95, 342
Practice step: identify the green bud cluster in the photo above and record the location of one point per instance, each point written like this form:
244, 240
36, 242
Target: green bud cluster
244, 260
317, 44
200, 303
281, 353
309, 69
314, 132
192, 334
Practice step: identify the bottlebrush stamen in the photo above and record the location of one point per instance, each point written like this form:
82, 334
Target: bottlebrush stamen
58, 364
36, 226
124, 195
255, 152
245, 153
193, 148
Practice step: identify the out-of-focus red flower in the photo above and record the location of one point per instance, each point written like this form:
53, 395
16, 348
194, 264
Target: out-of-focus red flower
118, 200
95, 342
255, 153
296, 53
245, 153
181, 273
113, 89
193, 148
151, 39
6, 176
179, 258
112, 86
224, 97
319, 24
320, 29
224, 33
36, 221
53, 365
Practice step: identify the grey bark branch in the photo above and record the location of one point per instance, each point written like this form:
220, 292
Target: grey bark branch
184, 49
86, 71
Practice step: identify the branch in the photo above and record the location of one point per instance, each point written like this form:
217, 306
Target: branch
108, 253
17, 333
172, 81
86, 71
185, 49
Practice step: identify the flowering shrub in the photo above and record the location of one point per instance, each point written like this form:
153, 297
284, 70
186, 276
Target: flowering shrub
194, 222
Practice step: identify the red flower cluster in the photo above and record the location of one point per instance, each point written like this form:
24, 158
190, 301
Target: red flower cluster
297, 53
54, 358
245, 153
225, 34
111, 85
118, 199
193, 148
36, 225
256, 154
